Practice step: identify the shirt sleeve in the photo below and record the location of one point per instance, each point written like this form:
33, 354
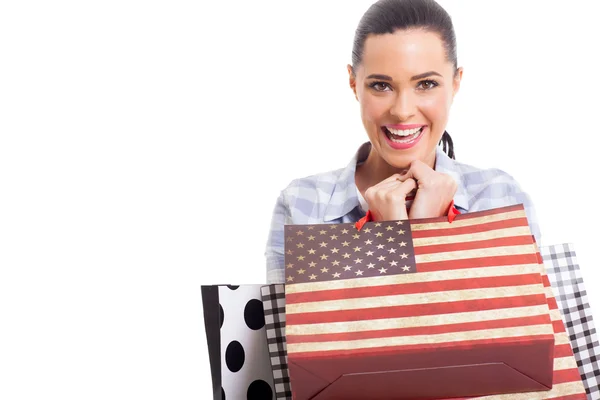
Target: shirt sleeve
275, 244
503, 191
520, 197
532, 217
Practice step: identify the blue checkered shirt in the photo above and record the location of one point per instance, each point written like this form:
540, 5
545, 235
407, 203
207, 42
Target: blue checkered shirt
332, 198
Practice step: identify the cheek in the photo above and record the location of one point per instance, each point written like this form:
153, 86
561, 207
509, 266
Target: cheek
435, 107
373, 109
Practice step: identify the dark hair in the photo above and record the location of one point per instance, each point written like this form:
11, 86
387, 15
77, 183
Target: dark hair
388, 16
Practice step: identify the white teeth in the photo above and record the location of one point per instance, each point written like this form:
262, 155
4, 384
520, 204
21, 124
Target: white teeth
400, 140
407, 138
406, 132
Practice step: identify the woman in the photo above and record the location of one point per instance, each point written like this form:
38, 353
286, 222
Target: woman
404, 74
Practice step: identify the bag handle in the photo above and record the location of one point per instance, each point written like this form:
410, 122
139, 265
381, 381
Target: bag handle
451, 213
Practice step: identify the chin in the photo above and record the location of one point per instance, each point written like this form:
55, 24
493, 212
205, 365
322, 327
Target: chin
403, 163
403, 159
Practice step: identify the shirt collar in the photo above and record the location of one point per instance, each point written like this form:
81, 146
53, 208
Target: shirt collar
344, 198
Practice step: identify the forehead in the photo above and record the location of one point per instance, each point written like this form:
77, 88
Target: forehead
404, 52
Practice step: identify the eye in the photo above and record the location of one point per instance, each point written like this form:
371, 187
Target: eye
427, 84
380, 86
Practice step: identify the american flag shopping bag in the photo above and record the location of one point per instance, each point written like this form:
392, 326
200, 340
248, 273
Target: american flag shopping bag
419, 309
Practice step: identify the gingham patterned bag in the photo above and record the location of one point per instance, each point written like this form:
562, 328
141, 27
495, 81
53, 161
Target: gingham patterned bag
273, 297
567, 283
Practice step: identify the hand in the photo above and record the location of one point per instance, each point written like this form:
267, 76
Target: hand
435, 191
387, 199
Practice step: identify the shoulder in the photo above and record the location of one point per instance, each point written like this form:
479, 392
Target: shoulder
477, 180
493, 188
309, 197
489, 187
326, 183
480, 188
326, 196
322, 182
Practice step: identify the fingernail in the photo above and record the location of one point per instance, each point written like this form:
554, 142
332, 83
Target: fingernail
404, 172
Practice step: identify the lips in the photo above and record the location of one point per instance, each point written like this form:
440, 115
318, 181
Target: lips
403, 137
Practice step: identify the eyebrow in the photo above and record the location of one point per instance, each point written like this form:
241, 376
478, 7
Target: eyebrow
414, 78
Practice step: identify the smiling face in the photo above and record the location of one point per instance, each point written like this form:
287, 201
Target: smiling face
405, 85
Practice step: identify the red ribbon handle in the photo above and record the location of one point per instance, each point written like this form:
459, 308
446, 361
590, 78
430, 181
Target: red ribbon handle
361, 222
452, 213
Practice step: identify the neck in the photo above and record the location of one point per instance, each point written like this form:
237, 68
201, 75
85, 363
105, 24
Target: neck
375, 169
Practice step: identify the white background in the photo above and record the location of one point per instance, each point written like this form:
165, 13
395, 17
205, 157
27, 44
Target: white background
143, 145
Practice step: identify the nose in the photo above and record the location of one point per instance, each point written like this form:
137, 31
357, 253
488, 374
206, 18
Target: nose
404, 106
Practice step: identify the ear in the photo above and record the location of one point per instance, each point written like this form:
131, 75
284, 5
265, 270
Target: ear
456, 81
352, 80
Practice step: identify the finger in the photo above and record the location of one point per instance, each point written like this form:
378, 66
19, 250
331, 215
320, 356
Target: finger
406, 188
387, 185
380, 190
399, 191
389, 202
383, 185
393, 178
419, 171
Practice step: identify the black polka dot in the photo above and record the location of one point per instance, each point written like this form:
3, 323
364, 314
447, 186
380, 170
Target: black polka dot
233, 287
235, 356
222, 394
260, 390
221, 315
254, 314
